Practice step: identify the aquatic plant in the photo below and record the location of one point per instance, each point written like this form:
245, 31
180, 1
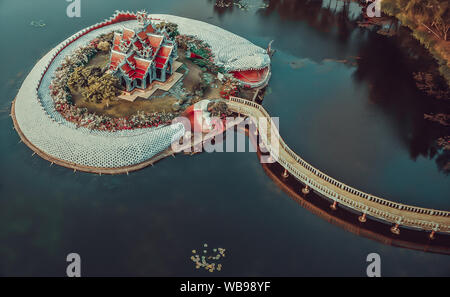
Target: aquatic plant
201, 261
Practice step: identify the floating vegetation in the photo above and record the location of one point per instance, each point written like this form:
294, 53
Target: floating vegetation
38, 24
201, 261
297, 64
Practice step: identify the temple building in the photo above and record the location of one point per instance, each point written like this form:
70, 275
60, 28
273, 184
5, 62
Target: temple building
140, 57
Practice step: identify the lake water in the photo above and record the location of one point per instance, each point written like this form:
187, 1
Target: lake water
360, 122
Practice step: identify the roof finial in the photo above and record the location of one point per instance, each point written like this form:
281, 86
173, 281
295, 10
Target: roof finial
142, 17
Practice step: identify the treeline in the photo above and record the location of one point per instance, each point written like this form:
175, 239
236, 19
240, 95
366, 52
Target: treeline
429, 21
432, 15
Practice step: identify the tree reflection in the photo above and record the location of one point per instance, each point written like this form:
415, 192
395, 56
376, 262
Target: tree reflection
384, 64
224, 6
387, 66
324, 16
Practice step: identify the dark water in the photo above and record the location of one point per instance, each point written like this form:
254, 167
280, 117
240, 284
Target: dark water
361, 123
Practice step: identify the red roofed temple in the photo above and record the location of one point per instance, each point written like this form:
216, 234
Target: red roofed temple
139, 57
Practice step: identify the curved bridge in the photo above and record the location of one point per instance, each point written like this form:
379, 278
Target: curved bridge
368, 205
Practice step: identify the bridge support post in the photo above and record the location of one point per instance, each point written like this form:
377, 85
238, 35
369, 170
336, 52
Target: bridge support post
334, 205
285, 173
395, 229
305, 190
362, 218
432, 235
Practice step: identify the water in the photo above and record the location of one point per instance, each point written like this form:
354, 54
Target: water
359, 123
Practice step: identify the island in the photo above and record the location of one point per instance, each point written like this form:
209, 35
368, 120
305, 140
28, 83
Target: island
104, 99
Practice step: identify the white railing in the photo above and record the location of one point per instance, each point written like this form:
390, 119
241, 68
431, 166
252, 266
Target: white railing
390, 211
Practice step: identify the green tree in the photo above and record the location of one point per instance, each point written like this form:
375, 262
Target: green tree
434, 15
441, 20
101, 88
80, 76
171, 28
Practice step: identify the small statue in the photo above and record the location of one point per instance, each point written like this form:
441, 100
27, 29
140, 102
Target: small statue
142, 17
269, 50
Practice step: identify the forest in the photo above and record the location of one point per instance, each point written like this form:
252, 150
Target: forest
429, 21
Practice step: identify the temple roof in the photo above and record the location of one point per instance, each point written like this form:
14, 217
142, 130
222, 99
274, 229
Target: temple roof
128, 34
160, 62
155, 41
129, 59
116, 59
150, 29
165, 51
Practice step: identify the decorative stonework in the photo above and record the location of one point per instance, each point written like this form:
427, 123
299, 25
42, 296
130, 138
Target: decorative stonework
142, 56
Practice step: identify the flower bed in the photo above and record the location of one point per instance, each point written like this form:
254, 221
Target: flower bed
200, 52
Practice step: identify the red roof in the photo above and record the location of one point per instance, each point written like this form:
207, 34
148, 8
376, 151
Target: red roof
116, 59
160, 62
149, 29
165, 51
135, 67
131, 60
128, 34
126, 68
138, 74
117, 40
251, 76
138, 44
155, 41
142, 64
142, 35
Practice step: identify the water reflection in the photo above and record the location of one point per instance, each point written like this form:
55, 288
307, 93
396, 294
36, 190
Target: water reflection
325, 16
393, 89
384, 64
147, 223
223, 6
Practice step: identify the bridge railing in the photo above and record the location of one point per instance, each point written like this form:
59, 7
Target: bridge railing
248, 108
